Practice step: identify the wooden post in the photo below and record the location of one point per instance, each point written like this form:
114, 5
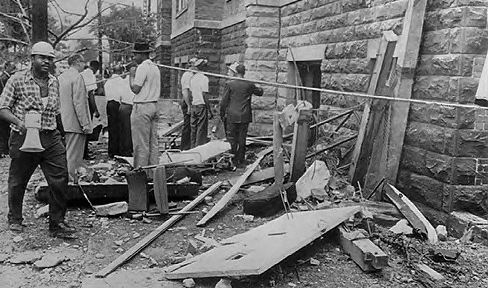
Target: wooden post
407, 52
161, 190
278, 150
299, 145
39, 20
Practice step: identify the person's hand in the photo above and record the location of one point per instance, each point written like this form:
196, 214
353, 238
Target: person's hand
96, 114
87, 130
19, 127
132, 71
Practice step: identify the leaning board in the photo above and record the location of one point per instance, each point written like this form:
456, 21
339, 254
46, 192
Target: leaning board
257, 250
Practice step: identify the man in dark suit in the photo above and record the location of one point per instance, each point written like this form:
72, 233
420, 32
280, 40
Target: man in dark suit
236, 109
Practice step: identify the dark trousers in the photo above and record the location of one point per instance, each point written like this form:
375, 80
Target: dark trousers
236, 134
86, 152
186, 130
54, 166
4, 135
199, 125
113, 128
125, 147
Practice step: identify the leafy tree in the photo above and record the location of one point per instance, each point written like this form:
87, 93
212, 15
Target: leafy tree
124, 26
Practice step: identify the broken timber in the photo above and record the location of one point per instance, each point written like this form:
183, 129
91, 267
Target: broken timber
300, 144
233, 190
412, 213
257, 250
156, 233
407, 51
260, 175
362, 251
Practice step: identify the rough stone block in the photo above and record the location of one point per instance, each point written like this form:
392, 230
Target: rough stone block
292, 20
254, 21
261, 11
390, 10
268, 43
261, 54
375, 29
448, 64
467, 89
467, 118
433, 88
353, 49
332, 22
469, 40
252, 42
433, 5
351, 5
423, 162
435, 42
473, 199
464, 171
263, 103
347, 82
472, 143
429, 137
475, 17
422, 189
262, 32
459, 222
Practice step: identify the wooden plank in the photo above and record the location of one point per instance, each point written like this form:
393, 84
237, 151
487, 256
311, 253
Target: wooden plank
260, 175
161, 190
156, 233
407, 52
233, 190
197, 155
175, 128
411, 213
278, 162
300, 144
362, 251
137, 187
361, 152
257, 250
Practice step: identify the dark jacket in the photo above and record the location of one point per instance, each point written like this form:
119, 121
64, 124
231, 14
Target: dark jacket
236, 102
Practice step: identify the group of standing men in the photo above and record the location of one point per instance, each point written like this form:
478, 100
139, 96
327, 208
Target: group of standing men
235, 108
63, 105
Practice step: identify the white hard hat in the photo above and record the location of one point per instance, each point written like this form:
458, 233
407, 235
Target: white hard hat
42, 48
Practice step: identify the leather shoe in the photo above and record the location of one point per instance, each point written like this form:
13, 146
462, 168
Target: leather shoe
63, 230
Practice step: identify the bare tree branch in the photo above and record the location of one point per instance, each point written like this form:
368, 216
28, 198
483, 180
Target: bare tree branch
57, 12
60, 36
14, 40
22, 23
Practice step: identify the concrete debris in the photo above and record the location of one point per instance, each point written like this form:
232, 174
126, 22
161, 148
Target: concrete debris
441, 232
18, 239
3, 257
314, 262
246, 218
146, 220
42, 212
429, 272
136, 235
402, 227
112, 209
316, 177
26, 257
189, 283
99, 256
255, 189
102, 166
192, 247
119, 250
49, 260
119, 242
224, 283
319, 194
443, 255
459, 223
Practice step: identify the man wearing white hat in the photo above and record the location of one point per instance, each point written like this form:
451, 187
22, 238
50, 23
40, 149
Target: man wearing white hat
199, 106
186, 104
35, 90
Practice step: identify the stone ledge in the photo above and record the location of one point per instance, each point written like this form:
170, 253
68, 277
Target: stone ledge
458, 222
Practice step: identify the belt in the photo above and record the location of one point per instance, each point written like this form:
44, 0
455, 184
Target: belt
199, 105
151, 102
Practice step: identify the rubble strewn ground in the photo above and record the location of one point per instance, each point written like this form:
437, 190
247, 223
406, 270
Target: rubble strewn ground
320, 264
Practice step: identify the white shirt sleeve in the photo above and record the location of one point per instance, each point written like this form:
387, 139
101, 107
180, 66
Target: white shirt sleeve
141, 73
204, 83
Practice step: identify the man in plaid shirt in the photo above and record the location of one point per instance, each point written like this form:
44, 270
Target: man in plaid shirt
36, 90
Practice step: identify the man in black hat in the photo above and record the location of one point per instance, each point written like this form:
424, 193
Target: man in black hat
145, 82
236, 109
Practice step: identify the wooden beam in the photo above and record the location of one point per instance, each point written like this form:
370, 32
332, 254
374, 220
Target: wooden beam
300, 145
278, 161
233, 190
361, 153
407, 52
362, 251
331, 146
156, 233
411, 213
161, 190
260, 175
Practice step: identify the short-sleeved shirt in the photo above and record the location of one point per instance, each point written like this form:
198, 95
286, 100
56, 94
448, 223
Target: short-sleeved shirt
114, 88
128, 96
198, 85
185, 80
90, 79
148, 78
22, 94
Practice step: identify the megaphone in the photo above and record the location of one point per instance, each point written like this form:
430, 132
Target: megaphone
32, 142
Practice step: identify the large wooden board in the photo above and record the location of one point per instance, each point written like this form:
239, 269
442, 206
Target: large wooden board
257, 250
196, 155
407, 51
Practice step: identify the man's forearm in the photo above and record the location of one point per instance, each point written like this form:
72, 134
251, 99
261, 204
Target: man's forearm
8, 116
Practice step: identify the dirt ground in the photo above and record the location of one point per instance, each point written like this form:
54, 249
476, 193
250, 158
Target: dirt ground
103, 239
